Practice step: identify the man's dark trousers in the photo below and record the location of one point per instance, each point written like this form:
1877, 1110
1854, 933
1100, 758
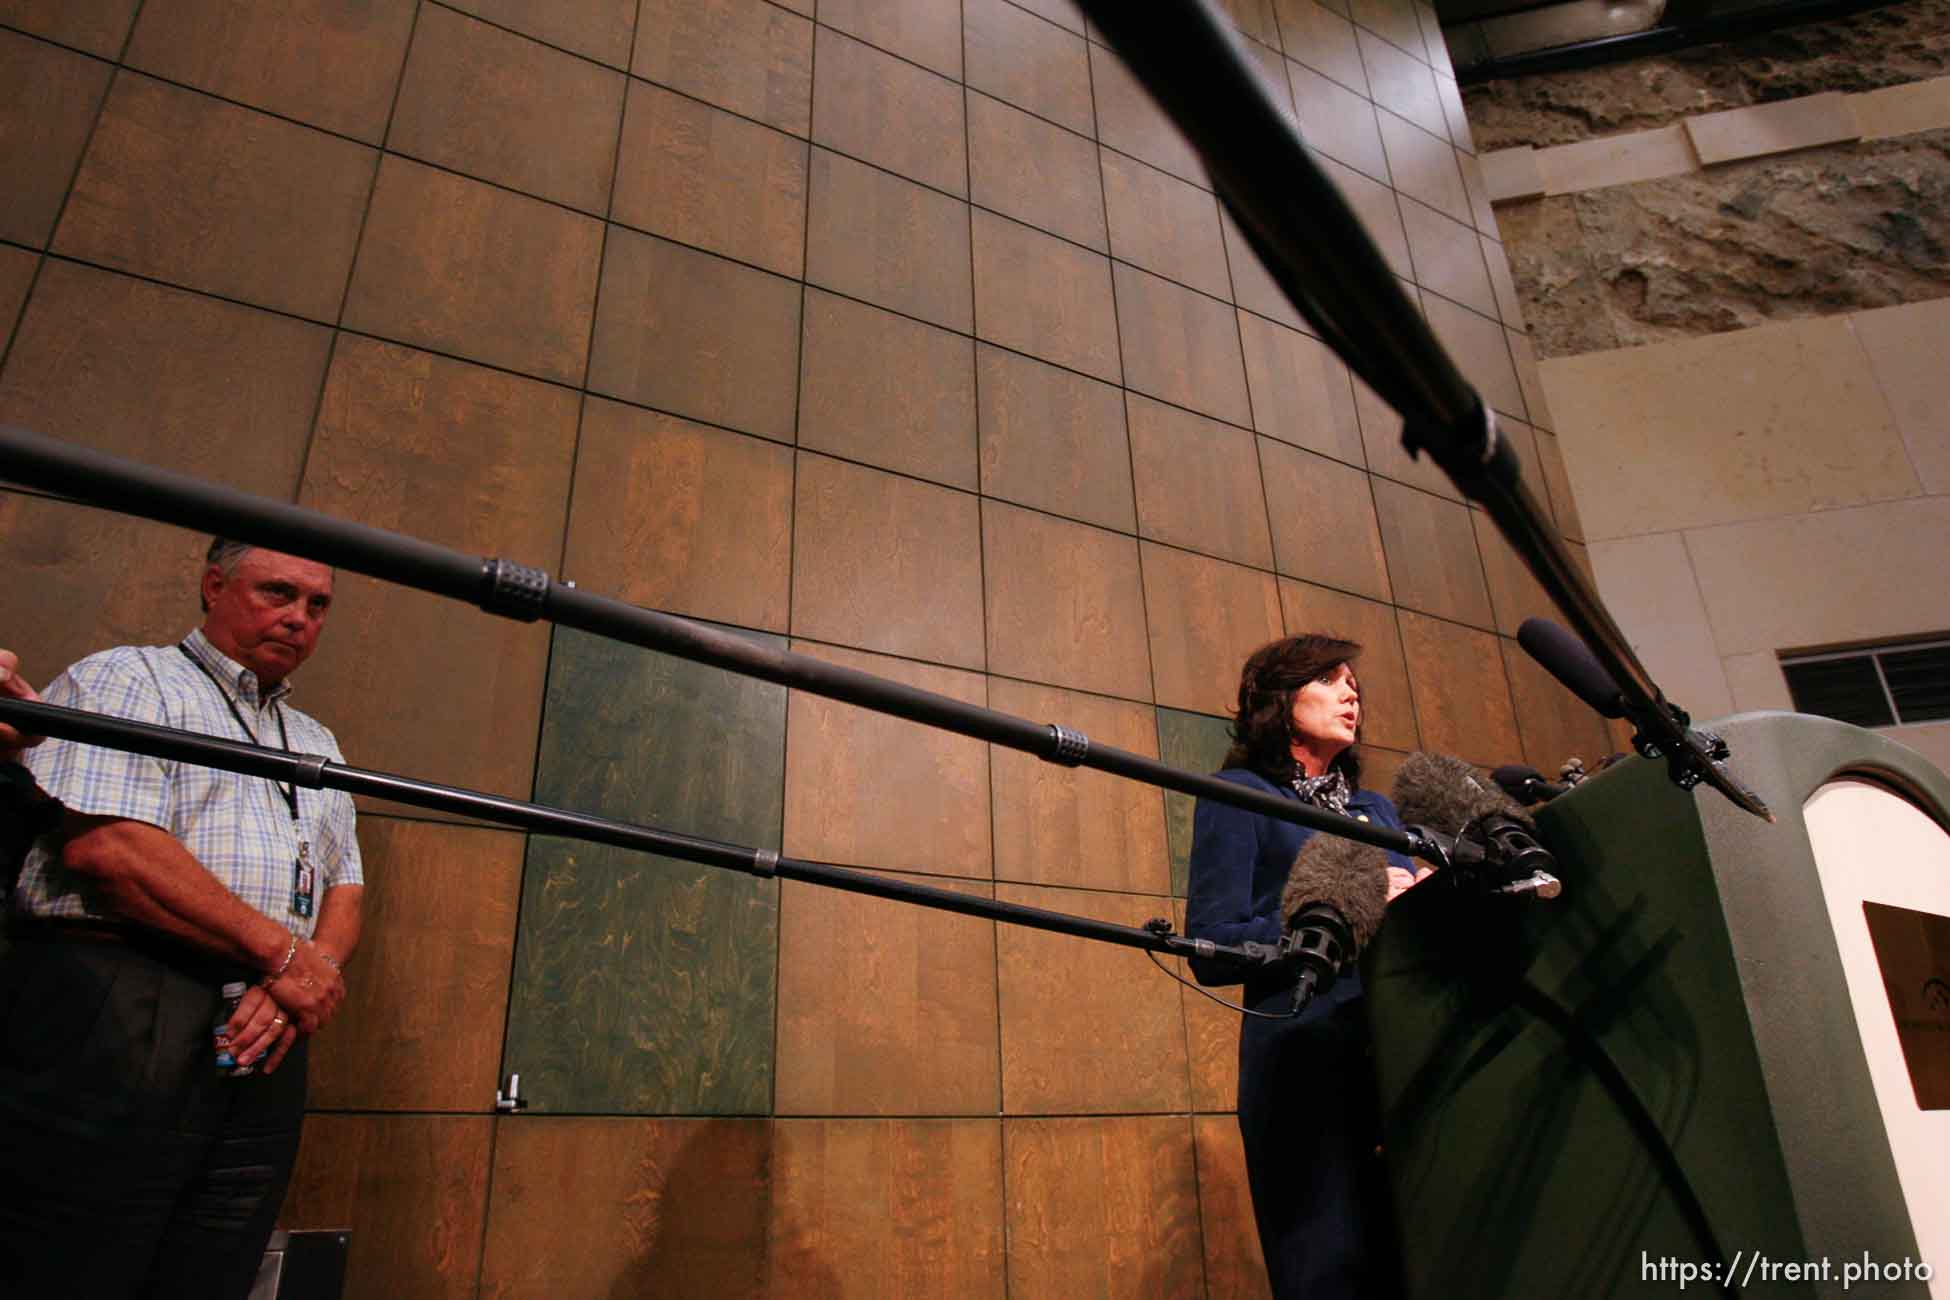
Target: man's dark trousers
130, 1165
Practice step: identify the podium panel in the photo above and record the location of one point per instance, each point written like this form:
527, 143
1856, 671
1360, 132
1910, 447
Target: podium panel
1885, 870
1657, 1077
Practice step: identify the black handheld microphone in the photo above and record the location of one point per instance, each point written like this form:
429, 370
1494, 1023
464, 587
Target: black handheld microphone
1526, 784
1572, 663
1445, 794
1333, 903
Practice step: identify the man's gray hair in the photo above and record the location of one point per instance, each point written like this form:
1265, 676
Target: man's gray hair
225, 554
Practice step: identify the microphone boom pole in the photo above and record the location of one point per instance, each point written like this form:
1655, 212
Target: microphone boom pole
525, 594
314, 772
1316, 250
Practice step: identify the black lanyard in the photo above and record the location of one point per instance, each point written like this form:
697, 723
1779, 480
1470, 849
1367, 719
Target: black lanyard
289, 792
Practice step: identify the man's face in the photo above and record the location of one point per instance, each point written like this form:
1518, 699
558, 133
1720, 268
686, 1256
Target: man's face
267, 613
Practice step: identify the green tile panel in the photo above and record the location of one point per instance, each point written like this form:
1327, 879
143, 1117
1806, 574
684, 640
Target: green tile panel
644, 985
1196, 741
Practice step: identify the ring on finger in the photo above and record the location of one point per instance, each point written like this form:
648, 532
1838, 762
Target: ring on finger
277, 1021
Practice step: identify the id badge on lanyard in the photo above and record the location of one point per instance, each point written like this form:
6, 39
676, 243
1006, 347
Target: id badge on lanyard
304, 880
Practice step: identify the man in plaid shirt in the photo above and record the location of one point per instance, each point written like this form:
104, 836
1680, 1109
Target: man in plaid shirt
146, 1132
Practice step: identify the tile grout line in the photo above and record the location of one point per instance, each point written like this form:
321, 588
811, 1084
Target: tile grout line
988, 751
548, 665
44, 252
1144, 598
1160, 543
1882, 390
715, 253
792, 561
352, 262
988, 758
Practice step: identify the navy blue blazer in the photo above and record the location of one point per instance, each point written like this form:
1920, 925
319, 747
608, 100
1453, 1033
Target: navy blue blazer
1306, 1095
1239, 865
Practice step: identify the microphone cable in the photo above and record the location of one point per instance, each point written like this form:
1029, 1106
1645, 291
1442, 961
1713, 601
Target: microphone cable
1230, 1006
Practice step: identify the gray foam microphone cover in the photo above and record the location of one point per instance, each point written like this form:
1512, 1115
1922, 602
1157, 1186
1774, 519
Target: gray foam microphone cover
1348, 875
1446, 794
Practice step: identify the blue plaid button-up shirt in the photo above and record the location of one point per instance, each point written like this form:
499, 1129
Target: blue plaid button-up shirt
239, 827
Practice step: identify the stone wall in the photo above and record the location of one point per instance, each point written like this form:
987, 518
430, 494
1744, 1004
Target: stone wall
1844, 228
1847, 227
1890, 46
1744, 358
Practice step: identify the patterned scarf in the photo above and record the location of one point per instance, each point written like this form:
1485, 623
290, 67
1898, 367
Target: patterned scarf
1329, 791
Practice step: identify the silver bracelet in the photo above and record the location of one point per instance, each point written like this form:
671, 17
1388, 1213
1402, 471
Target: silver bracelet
290, 951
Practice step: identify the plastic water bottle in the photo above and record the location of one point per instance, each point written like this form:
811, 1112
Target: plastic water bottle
233, 993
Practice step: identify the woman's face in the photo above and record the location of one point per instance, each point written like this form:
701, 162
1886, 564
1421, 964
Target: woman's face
1326, 714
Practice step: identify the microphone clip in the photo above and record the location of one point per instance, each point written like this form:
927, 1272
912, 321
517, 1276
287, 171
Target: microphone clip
1495, 853
1318, 946
1318, 937
1686, 763
1509, 844
1249, 954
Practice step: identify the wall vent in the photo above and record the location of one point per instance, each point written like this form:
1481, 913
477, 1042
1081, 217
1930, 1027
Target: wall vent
1873, 686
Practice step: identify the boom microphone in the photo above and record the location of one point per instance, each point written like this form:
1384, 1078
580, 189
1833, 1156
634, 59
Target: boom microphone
1572, 663
1445, 794
1333, 904
1526, 784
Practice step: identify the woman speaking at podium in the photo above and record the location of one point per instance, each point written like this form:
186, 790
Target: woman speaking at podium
1306, 1092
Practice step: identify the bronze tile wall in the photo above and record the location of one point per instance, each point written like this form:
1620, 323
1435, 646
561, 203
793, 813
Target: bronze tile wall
180, 187
1126, 1184
49, 97
711, 179
441, 1048
885, 1008
1036, 294
412, 1189
1051, 439
1035, 171
1074, 1039
886, 111
696, 335
910, 331
1070, 826
462, 267
928, 32
888, 390
600, 30
487, 102
644, 1202
329, 66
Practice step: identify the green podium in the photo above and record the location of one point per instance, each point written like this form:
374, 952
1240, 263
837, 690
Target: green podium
1662, 1075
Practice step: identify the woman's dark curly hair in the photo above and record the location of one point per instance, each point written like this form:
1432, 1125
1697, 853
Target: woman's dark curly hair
1262, 726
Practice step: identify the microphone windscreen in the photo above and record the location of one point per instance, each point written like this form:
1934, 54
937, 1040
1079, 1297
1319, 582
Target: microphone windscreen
1572, 663
1445, 794
1515, 779
1347, 875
